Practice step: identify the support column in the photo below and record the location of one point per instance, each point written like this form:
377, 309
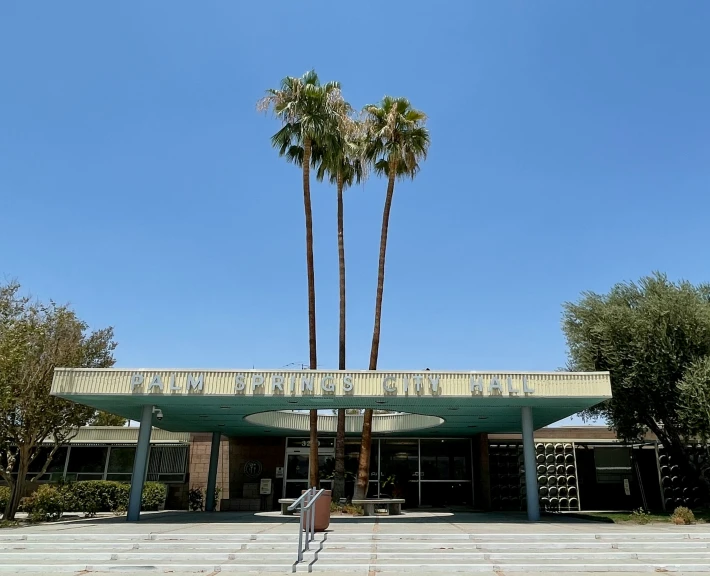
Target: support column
212, 473
140, 464
530, 464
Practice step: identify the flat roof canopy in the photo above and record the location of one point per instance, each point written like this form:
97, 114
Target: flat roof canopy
232, 401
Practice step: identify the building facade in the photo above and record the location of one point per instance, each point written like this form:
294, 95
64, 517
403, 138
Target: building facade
578, 469
440, 438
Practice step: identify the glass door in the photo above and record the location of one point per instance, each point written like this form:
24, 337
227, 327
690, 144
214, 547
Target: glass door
297, 464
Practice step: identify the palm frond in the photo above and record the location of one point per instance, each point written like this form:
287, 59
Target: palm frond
307, 109
397, 137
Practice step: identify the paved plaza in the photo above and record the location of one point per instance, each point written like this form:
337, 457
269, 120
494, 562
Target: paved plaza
432, 542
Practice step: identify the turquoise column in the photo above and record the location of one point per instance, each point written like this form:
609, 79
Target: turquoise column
212, 474
530, 465
140, 464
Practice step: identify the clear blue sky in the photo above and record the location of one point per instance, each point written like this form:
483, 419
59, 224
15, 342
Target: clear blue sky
570, 148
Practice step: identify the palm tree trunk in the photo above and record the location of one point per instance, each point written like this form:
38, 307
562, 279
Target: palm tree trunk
375, 348
313, 360
339, 476
363, 470
363, 475
313, 479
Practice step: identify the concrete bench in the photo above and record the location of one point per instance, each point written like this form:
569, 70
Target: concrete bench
394, 505
285, 503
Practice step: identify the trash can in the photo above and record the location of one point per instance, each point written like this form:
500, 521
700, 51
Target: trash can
322, 511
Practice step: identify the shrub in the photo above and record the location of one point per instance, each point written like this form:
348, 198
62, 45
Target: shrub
196, 499
4, 497
154, 495
92, 496
47, 503
355, 510
683, 515
641, 516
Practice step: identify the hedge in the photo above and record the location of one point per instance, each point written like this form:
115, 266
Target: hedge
91, 496
4, 497
49, 501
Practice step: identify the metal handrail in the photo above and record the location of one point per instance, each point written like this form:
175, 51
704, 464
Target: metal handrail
307, 521
297, 502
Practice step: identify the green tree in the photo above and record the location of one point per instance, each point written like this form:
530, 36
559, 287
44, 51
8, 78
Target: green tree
306, 109
106, 419
694, 406
342, 163
649, 335
34, 339
397, 142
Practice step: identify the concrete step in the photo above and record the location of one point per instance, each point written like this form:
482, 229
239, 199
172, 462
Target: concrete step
401, 567
325, 554
381, 546
355, 537
362, 553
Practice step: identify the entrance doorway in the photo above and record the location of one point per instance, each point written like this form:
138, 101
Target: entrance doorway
296, 467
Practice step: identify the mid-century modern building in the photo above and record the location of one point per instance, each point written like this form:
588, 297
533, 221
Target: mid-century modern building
469, 439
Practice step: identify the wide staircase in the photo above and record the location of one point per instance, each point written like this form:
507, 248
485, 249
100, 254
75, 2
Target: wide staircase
361, 553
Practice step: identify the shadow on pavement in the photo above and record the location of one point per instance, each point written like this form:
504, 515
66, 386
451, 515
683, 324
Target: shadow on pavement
430, 516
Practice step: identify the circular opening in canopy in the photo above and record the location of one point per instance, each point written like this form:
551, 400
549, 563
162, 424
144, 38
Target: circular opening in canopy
381, 423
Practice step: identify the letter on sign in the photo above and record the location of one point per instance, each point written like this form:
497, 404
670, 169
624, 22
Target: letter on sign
195, 383
173, 387
307, 383
136, 381
277, 381
495, 385
526, 388
239, 383
347, 383
389, 384
328, 384
155, 382
434, 383
511, 390
477, 385
256, 381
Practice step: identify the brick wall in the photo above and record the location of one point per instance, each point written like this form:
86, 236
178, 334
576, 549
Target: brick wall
200, 446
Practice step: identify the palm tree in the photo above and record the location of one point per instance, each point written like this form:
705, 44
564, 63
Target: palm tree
306, 109
397, 142
343, 164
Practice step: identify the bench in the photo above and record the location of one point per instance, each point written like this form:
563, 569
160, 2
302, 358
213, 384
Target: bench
394, 505
285, 503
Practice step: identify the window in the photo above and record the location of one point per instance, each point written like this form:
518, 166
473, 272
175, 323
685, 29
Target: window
167, 463
55, 470
446, 460
87, 462
120, 463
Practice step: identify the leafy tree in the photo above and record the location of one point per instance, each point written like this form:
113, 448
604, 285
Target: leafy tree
343, 164
397, 142
306, 109
694, 405
34, 339
106, 419
651, 336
